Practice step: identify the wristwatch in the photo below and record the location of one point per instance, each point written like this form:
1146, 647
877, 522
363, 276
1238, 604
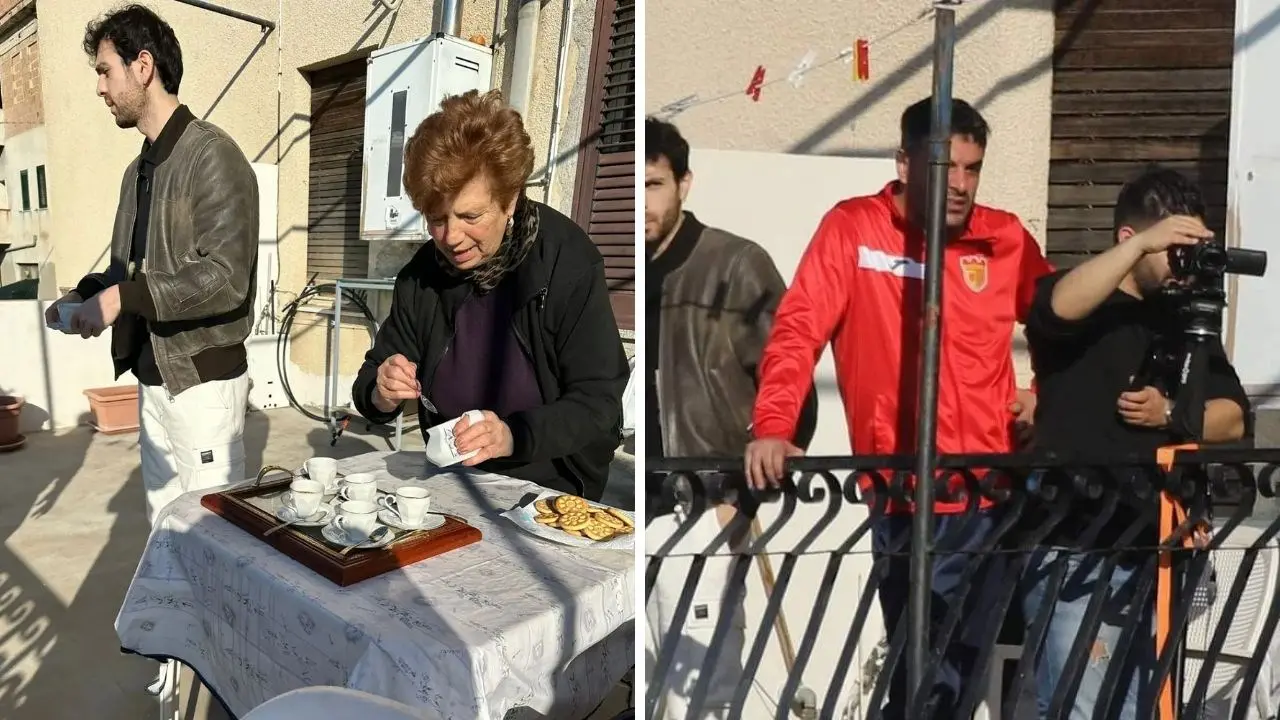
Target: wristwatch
1168, 413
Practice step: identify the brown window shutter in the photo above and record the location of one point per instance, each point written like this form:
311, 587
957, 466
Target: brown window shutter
334, 247
1135, 82
605, 199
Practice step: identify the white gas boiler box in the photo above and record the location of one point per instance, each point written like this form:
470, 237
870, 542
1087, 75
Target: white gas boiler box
405, 84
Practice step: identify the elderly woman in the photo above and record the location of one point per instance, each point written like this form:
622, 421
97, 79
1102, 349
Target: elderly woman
505, 312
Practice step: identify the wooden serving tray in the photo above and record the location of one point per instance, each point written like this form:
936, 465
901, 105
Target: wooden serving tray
246, 507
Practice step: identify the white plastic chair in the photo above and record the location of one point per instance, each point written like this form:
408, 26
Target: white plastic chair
331, 702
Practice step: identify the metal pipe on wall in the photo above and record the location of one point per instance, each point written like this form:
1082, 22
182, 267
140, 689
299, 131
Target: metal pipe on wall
450, 18
498, 36
927, 409
266, 25
524, 54
553, 145
6, 248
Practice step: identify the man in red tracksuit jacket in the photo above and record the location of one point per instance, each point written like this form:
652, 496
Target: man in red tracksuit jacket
859, 286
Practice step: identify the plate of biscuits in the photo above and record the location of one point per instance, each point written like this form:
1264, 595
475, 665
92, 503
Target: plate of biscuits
571, 520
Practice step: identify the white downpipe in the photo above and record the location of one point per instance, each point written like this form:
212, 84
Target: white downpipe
524, 54
557, 107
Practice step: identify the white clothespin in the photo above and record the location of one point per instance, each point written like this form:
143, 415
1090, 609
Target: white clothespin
797, 75
676, 107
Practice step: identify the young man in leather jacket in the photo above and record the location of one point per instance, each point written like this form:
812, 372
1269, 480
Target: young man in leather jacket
711, 297
178, 290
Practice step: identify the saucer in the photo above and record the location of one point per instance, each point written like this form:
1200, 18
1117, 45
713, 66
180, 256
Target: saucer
430, 522
321, 517
336, 536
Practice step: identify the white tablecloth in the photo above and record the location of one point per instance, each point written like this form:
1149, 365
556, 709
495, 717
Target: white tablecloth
509, 622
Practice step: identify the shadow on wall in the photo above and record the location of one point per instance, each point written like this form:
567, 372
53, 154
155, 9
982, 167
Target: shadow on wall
262, 41
980, 16
923, 60
305, 119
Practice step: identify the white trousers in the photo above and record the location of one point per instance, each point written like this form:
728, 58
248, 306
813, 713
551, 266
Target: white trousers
191, 441
700, 622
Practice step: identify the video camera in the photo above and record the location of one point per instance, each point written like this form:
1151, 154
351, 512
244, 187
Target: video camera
1199, 271
1210, 260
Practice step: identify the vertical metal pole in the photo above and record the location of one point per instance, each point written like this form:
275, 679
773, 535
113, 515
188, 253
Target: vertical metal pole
927, 410
450, 18
335, 359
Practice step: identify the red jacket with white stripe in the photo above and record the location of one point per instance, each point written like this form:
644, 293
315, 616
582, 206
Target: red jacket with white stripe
860, 287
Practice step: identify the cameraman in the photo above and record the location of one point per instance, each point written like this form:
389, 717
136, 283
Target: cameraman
1090, 331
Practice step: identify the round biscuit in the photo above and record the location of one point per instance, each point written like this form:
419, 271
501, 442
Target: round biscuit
598, 532
621, 516
543, 507
574, 520
569, 503
605, 518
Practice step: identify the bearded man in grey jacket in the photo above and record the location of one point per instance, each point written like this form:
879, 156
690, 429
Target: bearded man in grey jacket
178, 291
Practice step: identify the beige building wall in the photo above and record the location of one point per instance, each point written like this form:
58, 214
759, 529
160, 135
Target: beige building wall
711, 49
253, 84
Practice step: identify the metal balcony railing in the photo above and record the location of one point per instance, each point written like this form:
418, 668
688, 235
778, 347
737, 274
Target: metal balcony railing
1215, 594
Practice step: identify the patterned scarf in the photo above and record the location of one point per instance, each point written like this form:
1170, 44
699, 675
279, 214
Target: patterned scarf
516, 244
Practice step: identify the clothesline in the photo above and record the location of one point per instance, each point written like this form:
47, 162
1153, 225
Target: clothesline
857, 55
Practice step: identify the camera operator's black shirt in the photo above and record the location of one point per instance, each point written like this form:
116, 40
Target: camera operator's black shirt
1082, 368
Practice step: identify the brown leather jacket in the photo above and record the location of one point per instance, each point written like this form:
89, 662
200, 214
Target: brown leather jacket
201, 254
717, 310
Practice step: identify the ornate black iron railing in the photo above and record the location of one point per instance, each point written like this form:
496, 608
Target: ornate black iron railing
1221, 589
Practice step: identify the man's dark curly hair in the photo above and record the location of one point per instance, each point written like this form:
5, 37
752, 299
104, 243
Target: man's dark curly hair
662, 139
1154, 195
132, 29
966, 121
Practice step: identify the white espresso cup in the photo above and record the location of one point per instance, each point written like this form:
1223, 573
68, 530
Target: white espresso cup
304, 498
442, 447
359, 486
323, 470
357, 518
410, 504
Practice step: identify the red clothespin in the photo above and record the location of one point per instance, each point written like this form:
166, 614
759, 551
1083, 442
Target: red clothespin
861, 61
757, 82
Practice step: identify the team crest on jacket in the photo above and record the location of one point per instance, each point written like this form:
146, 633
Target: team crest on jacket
974, 268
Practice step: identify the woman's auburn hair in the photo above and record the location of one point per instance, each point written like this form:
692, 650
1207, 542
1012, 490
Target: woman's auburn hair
471, 134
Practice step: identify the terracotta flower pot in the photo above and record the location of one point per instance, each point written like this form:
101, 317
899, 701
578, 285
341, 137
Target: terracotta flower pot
115, 409
10, 411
